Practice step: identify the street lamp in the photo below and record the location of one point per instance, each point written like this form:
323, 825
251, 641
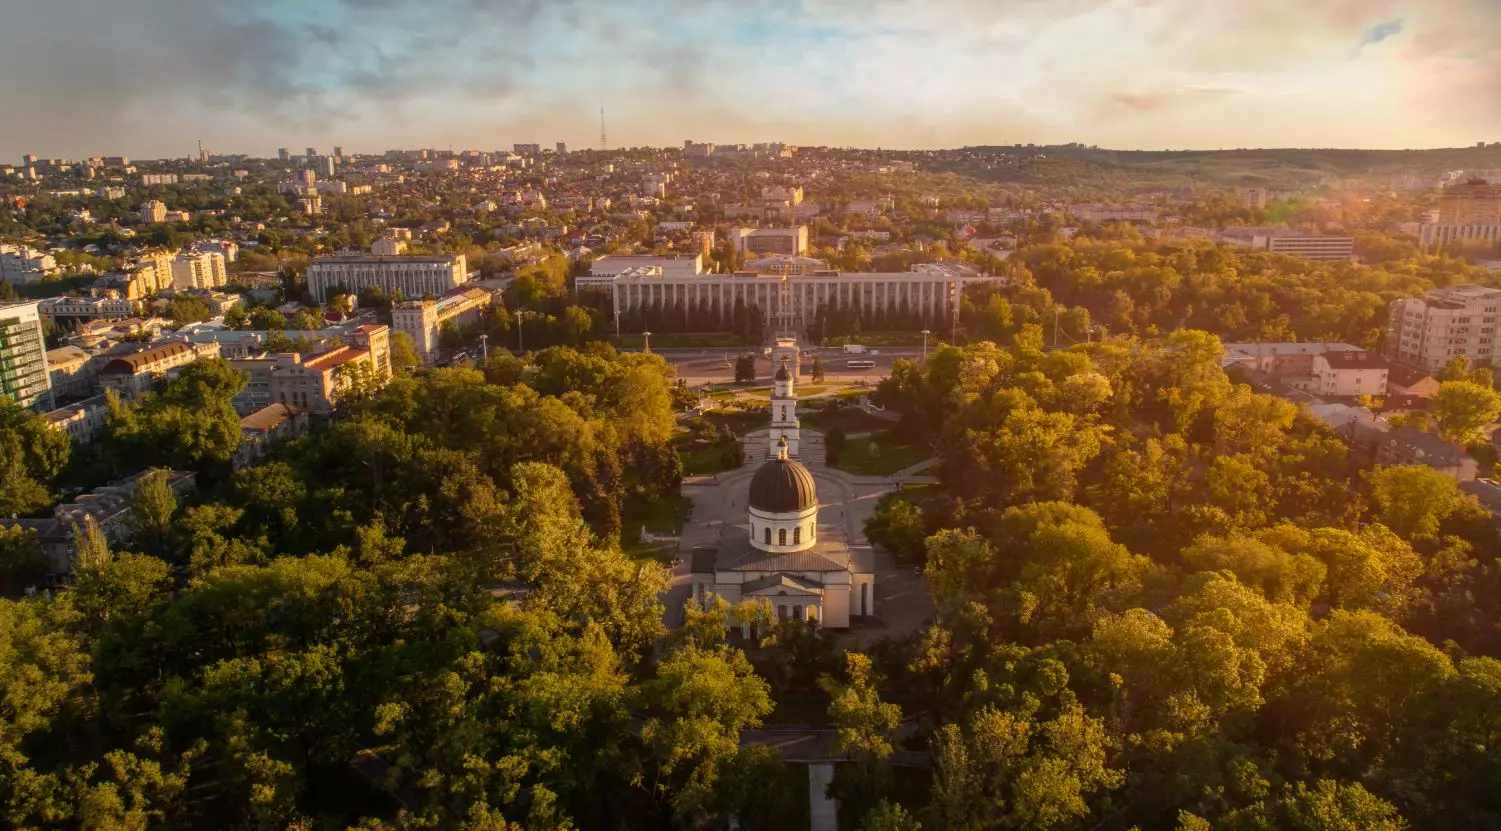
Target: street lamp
484, 347
647, 336
520, 343
925, 334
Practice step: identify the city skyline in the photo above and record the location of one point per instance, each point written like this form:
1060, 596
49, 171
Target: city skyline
151, 80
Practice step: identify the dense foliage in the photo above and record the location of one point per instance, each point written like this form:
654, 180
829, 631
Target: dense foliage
1165, 600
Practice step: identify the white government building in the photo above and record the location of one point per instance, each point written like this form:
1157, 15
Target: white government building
787, 289
413, 277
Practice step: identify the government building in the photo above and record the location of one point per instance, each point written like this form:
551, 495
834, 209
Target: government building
409, 277
787, 289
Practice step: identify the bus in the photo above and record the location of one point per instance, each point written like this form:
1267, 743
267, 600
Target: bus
860, 364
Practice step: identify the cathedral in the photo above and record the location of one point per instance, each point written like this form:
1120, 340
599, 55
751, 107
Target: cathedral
782, 555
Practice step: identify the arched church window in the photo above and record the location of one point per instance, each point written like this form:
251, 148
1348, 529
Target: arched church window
781, 536
768, 535
784, 413
797, 535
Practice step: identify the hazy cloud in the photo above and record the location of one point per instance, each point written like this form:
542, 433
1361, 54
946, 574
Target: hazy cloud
148, 77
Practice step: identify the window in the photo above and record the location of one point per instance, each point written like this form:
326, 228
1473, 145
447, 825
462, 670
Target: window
797, 535
782, 536
768, 535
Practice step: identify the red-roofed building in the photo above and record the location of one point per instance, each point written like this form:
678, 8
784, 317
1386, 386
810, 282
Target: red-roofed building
1350, 374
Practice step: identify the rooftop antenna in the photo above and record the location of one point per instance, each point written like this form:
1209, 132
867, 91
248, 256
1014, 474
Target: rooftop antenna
604, 143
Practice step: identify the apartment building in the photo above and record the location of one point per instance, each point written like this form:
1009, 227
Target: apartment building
154, 211
409, 276
263, 429
199, 270
134, 374
1317, 247
1345, 374
84, 420
388, 247
1431, 330
23, 355
1474, 202
158, 179
310, 383
759, 241
423, 320
1114, 213
22, 265
71, 372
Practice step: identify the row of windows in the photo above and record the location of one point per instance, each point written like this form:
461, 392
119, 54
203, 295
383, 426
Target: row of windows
797, 536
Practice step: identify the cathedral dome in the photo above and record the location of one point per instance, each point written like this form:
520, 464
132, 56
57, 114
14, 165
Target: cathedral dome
782, 486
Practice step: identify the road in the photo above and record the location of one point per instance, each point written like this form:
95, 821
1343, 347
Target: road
708, 365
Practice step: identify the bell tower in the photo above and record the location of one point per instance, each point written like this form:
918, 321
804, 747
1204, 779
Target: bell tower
784, 421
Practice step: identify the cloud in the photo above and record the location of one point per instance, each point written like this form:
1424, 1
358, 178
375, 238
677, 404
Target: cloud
1380, 32
147, 77
1149, 101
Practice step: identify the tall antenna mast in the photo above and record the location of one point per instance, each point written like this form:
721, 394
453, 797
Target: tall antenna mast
604, 143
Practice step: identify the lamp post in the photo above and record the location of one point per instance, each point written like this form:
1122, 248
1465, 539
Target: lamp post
925, 334
647, 337
520, 342
484, 348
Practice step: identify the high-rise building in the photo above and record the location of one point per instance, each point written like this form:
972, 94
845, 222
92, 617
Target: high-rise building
308, 177
23, 355
199, 270
562, 148
527, 149
311, 152
338, 151
283, 154
154, 211
1475, 201
1431, 330
325, 165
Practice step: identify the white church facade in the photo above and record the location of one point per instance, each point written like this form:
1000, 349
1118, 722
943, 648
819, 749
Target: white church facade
782, 555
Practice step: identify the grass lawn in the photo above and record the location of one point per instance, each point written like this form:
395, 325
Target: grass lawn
658, 514
698, 459
853, 393
740, 421
856, 458
805, 392
848, 419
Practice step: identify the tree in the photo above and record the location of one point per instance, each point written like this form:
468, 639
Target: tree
865, 726
22, 562
151, 510
1413, 500
236, 318
817, 374
185, 308
404, 358
307, 319
833, 443
32, 454
897, 526
266, 319
1463, 408
449, 337
745, 369
1327, 806
889, 816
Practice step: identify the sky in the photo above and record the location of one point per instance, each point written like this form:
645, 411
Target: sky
150, 78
